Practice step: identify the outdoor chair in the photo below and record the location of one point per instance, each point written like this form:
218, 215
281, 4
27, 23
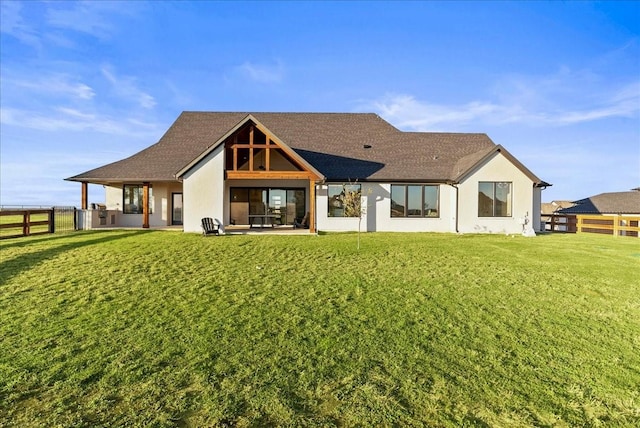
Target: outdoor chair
303, 223
210, 227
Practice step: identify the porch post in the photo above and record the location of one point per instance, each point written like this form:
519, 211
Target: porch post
85, 196
145, 205
312, 206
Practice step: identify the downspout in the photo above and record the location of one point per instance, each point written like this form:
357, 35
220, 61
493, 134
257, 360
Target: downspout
457, 202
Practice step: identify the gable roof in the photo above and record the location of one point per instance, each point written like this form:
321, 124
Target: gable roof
465, 166
607, 203
250, 119
340, 146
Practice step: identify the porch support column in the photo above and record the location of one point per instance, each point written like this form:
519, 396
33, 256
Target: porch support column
85, 196
145, 205
312, 206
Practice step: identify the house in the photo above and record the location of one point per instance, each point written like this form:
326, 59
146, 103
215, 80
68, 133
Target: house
617, 203
550, 221
614, 213
553, 207
257, 169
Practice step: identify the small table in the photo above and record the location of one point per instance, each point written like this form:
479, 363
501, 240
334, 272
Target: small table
265, 219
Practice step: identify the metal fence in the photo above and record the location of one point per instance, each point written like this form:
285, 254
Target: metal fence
66, 219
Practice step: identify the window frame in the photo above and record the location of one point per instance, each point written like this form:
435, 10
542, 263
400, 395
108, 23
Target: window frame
406, 213
332, 205
494, 206
137, 197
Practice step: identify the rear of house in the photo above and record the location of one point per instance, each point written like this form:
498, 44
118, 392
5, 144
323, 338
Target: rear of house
274, 169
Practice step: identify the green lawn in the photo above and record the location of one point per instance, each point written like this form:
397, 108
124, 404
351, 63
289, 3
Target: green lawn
157, 328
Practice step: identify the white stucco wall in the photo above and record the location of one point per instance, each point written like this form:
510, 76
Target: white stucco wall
376, 197
335, 224
498, 168
536, 216
443, 223
113, 197
203, 191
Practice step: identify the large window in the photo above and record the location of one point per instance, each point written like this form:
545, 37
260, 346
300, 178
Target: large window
494, 199
288, 205
414, 200
336, 195
132, 199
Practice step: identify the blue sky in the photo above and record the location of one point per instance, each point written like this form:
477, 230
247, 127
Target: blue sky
87, 83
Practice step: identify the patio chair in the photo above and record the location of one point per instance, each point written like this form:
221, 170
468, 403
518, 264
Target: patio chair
210, 227
303, 223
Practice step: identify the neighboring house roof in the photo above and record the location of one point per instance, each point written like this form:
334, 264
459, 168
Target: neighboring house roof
334, 144
554, 206
607, 203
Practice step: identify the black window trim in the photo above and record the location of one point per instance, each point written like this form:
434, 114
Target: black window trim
406, 200
140, 186
343, 185
493, 207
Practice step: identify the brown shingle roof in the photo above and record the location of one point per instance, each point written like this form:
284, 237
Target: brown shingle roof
607, 203
333, 143
188, 136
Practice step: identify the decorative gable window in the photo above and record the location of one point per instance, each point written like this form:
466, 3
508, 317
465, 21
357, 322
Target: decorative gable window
494, 199
414, 200
132, 199
250, 150
336, 193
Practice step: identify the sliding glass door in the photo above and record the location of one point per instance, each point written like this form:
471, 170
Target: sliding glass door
296, 205
176, 208
286, 205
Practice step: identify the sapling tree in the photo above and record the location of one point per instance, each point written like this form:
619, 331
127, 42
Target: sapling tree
351, 199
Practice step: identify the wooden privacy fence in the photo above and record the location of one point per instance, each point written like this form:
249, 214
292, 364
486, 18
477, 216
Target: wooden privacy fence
560, 223
616, 225
15, 223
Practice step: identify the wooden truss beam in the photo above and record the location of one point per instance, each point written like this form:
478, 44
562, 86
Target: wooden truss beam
271, 175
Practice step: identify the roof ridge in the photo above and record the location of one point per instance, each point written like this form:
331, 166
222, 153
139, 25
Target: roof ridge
246, 112
446, 133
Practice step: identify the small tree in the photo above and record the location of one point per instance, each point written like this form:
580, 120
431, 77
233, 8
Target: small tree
351, 199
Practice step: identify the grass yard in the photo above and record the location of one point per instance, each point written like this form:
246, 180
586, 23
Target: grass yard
149, 328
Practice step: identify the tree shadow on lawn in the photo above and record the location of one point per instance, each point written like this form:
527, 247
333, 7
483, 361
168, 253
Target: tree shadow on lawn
25, 262
26, 241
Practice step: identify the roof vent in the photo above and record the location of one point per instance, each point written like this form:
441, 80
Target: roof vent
435, 157
367, 146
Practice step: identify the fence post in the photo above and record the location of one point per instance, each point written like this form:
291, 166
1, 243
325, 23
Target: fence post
75, 219
52, 220
25, 223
